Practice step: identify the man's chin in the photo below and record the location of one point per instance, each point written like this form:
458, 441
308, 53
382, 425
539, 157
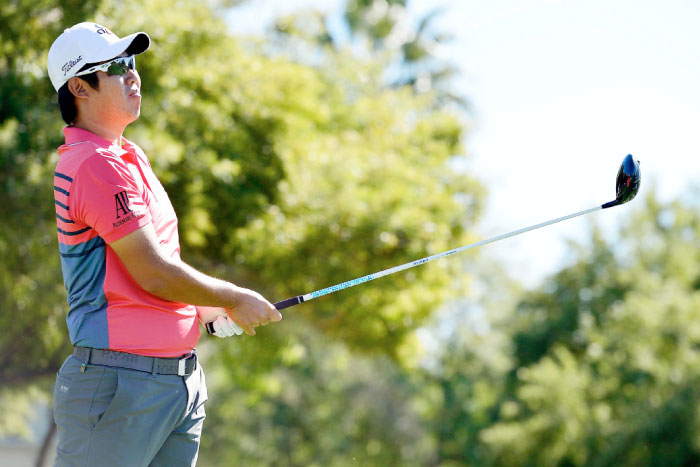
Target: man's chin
133, 116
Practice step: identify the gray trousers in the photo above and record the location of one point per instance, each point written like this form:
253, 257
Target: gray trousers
108, 416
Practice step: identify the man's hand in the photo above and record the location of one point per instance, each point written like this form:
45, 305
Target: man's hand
252, 310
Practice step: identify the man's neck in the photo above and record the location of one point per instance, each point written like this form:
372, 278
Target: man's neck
103, 131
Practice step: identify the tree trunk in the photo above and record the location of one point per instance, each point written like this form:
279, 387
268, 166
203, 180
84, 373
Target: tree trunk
46, 443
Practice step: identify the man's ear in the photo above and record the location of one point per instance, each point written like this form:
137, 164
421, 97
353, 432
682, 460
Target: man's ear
78, 88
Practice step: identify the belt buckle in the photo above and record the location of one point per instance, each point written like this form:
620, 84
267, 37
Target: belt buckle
181, 367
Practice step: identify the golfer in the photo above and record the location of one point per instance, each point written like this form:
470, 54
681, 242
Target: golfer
132, 393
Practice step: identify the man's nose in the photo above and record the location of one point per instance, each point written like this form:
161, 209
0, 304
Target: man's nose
131, 76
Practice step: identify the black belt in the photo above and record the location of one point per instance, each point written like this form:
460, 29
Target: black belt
183, 366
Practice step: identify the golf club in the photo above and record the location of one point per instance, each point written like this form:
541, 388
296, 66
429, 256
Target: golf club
627, 186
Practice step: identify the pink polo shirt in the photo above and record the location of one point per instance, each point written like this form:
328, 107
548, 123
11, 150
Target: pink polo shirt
102, 193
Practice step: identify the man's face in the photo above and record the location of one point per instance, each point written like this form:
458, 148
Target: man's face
118, 100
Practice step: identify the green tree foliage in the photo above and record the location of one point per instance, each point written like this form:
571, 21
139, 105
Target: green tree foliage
287, 177
31, 291
384, 31
293, 171
460, 383
605, 362
315, 403
616, 387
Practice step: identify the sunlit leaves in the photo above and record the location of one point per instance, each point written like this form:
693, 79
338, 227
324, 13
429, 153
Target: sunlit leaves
609, 352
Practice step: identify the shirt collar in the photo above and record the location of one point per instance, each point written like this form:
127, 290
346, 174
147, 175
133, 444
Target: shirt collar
80, 135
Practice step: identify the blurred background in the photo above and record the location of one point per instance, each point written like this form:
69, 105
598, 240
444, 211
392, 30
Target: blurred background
305, 143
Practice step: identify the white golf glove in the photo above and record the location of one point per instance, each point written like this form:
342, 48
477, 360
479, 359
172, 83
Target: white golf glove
226, 327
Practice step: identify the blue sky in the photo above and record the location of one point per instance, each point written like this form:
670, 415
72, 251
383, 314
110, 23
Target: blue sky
562, 91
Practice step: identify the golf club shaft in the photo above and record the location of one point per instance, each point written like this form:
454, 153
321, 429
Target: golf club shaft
361, 280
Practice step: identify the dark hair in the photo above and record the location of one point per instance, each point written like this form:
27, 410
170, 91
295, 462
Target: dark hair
66, 100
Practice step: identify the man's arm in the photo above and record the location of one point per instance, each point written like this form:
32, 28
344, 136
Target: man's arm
174, 280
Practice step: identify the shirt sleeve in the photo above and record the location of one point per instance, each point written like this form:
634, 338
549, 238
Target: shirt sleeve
107, 197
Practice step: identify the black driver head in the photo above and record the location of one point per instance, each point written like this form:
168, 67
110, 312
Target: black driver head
628, 179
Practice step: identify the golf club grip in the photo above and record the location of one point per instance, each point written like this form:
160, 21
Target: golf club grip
289, 302
279, 305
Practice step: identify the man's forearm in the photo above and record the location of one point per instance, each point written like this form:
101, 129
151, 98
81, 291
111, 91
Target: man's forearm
172, 279
177, 281
169, 277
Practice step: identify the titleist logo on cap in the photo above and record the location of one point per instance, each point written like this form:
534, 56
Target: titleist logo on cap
70, 64
102, 30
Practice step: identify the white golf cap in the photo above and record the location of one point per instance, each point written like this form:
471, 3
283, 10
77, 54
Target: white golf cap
89, 43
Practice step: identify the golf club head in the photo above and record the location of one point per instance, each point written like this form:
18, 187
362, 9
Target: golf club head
628, 179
